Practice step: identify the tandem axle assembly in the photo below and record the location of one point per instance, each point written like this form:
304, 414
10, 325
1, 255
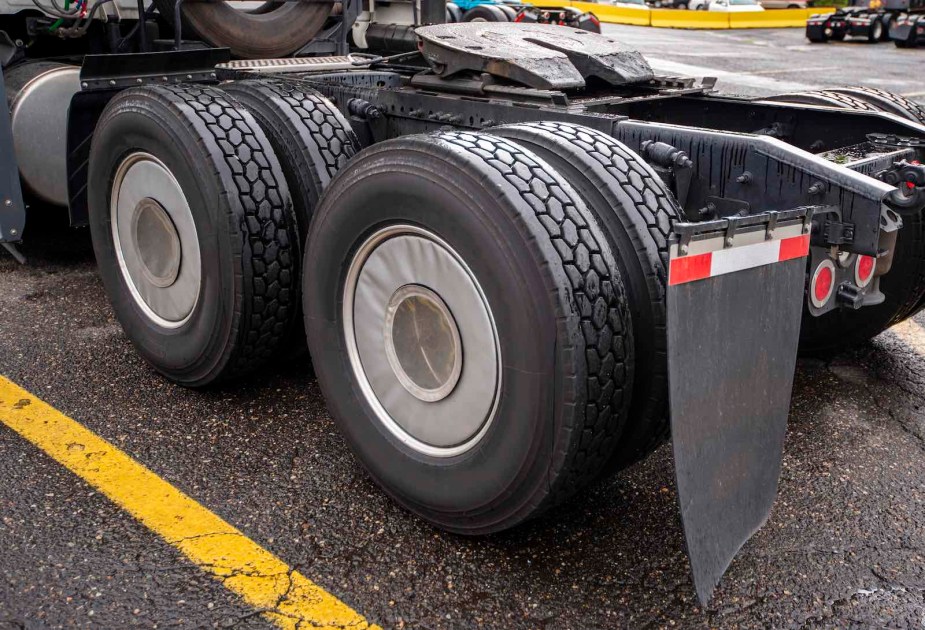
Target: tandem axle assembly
520, 258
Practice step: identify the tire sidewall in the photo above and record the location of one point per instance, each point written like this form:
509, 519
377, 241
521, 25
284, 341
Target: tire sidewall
212, 321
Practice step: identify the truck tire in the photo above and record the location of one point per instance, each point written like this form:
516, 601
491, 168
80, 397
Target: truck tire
496, 258
875, 34
453, 13
888, 19
274, 29
635, 211
508, 11
485, 13
309, 135
886, 102
312, 140
827, 98
193, 231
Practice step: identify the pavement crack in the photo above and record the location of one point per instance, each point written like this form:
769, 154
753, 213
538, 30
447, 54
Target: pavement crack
183, 539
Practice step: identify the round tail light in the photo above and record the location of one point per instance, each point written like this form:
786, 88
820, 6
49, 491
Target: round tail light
864, 270
822, 285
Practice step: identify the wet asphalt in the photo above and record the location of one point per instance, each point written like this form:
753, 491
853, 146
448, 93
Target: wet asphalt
844, 546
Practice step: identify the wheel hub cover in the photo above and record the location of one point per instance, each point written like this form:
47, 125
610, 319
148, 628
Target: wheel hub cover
155, 239
422, 340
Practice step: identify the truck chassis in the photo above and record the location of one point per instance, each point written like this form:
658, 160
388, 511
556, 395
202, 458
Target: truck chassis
522, 257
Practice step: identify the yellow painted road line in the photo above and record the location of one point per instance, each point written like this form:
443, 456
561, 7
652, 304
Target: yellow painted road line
264, 581
912, 334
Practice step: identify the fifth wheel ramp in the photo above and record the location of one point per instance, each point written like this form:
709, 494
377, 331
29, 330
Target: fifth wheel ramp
542, 56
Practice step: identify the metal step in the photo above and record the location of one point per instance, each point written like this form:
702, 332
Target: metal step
292, 64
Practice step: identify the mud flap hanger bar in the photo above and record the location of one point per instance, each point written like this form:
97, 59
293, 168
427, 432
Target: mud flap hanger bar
735, 299
685, 232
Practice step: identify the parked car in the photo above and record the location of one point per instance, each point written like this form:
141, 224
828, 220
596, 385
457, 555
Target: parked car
725, 6
670, 4
630, 4
784, 4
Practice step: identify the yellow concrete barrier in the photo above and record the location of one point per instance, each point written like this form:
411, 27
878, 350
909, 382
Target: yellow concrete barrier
615, 15
677, 18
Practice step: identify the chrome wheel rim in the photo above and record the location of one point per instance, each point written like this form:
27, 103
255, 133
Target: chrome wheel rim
155, 240
422, 341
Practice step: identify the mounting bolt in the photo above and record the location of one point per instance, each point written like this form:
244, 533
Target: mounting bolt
7, 202
84, 84
112, 82
816, 189
14, 232
744, 178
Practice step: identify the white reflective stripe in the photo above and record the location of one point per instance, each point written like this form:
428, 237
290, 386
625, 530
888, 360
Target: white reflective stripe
747, 257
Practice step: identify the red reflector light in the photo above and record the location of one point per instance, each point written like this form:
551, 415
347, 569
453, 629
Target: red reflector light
864, 270
823, 284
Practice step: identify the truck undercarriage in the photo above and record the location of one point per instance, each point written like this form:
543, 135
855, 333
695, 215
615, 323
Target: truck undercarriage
522, 259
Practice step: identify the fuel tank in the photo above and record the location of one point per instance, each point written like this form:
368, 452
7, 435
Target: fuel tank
39, 94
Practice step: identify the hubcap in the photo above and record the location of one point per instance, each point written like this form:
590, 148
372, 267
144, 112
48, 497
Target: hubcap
422, 341
155, 240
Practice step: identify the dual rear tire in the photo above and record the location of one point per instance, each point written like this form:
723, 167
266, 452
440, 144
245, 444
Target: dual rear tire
489, 334
496, 246
197, 238
552, 234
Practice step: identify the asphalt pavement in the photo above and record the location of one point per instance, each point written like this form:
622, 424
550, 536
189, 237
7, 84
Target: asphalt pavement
759, 62
844, 545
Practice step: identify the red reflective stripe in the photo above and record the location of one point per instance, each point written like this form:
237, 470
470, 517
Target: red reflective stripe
794, 247
690, 268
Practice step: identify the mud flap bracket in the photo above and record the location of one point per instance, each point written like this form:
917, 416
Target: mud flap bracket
12, 209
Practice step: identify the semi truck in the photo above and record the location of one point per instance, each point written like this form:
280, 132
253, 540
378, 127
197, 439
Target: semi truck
519, 258
872, 20
908, 30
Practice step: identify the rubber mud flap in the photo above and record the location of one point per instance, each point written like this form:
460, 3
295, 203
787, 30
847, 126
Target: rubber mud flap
732, 348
